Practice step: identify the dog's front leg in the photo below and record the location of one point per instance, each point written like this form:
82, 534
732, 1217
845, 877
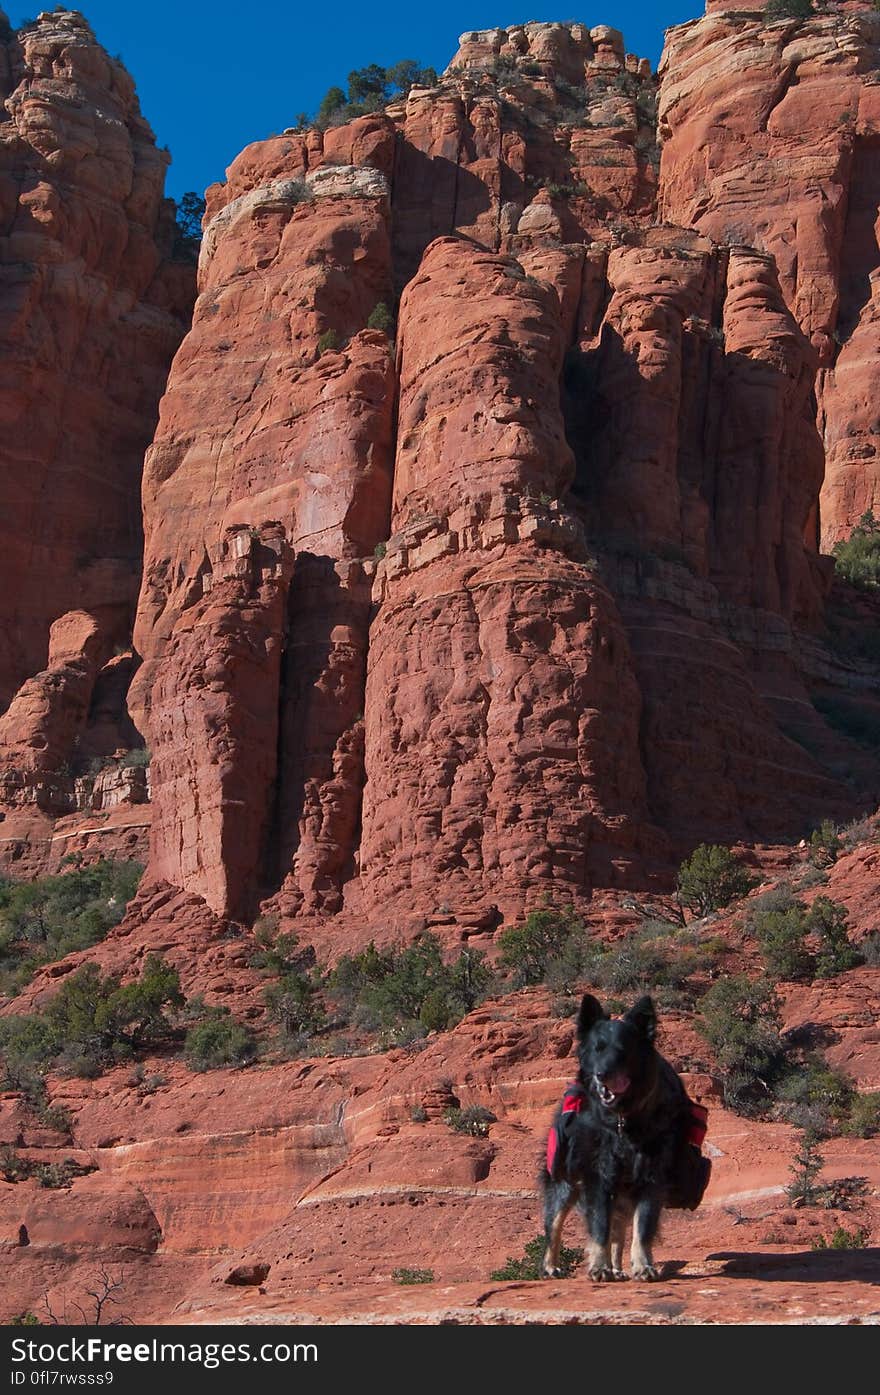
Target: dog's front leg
645, 1224
598, 1218
558, 1201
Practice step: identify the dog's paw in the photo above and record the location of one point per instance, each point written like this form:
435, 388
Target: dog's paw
619, 1275
602, 1274
550, 1271
647, 1273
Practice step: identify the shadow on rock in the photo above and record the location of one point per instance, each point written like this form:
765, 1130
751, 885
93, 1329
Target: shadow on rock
813, 1266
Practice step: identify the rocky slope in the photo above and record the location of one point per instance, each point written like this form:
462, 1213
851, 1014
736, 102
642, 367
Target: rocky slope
92, 308
293, 1191
484, 563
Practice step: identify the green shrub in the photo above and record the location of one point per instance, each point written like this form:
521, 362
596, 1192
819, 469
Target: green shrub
555, 947
574, 963
370, 89
413, 1276
530, 1266
711, 878
781, 932
870, 949
842, 1240
826, 844
739, 1018
54, 1176
219, 1040
189, 213
44, 920
355, 973
863, 1119
473, 1121
815, 1097
788, 9
855, 720
781, 924
390, 988
381, 318
528, 949
328, 341
58, 1176
805, 1169
828, 921
857, 559
294, 1004
654, 957
566, 191
811, 876
278, 953
92, 1022
332, 102
137, 758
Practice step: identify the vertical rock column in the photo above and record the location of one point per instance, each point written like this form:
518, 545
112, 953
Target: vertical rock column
268, 478
91, 312
502, 713
770, 138
690, 414
698, 463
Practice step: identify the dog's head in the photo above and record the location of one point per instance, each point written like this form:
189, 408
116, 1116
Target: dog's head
617, 1055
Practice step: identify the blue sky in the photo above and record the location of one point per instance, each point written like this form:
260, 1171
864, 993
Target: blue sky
214, 76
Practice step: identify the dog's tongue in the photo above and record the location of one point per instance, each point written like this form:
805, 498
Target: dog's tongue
617, 1084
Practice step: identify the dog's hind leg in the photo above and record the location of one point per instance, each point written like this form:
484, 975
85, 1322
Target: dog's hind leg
558, 1201
619, 1220
645, 1224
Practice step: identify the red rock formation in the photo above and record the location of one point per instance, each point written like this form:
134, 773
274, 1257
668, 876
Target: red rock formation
687, 402
770, 137
540, 130
91, 311
571, 633
49, 711
501, 712
282, 218
270, 471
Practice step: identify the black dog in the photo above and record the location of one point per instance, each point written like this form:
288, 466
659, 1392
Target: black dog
623, 1143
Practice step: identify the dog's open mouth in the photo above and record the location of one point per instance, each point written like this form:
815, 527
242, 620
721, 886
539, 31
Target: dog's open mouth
611, 1089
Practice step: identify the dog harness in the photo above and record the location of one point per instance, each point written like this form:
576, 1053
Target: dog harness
572, 1103
698, 1124
692, 1170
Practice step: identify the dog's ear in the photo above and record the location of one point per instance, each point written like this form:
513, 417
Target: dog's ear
590, 1012
643, 1017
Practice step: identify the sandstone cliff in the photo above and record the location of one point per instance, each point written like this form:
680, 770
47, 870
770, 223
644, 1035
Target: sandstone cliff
92, 308
450, 620
771, 135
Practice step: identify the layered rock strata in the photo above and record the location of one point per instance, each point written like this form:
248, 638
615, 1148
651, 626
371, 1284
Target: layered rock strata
502, 711
269, 477
92, 308
771, 135
601, 541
